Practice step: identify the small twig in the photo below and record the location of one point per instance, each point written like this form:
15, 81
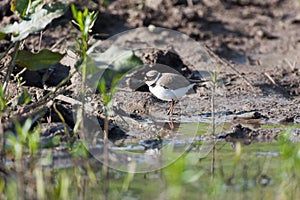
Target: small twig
13, 99
57, 43
40, 41
2, 55
19, 74
190, 3
279, 88
42, 101
227, 64
52, 92
291, 65
271, 79
68, 100
11, 66
73, 102
61, 117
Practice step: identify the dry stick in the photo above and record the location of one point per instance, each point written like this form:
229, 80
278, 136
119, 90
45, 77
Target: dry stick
271, 79
11, 66
291, 65
61, 117
6, 51
42, 100
19, 74
281, 90
190, 3
57, 43
227, 64
40, 41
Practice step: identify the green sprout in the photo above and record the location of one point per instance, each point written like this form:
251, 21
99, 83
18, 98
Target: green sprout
85, 21
3, 99
25, 140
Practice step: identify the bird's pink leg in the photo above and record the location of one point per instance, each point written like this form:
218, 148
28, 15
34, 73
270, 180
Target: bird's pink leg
170, 111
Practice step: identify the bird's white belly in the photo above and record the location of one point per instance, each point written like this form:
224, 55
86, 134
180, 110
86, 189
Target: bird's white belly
168, 94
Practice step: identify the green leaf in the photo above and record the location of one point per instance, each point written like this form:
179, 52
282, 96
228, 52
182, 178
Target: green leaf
79, 150
74, 11
2, 35
37, 21
34, 141
112, 65
117, 59
52, 142
24, 98
41, 60
102, 86
3, 100
127, 62
84, 20
20, 7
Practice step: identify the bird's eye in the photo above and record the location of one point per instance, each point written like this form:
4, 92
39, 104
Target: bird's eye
149, 78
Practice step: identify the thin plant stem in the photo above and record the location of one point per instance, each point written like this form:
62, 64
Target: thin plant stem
105, 169
64, 123
214, 81
2, 148
213, 109
83, 94
213, 162
2, 55
105, 129
11, 66
20, 180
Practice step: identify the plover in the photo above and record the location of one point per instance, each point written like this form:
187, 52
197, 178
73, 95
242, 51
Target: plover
168, 86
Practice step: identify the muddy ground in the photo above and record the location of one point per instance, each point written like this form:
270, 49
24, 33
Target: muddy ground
259, 39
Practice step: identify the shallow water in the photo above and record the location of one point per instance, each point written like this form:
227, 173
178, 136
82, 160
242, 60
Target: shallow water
179, 167
265, 170
254, 171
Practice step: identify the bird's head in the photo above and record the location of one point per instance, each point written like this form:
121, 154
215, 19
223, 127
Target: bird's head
151, 77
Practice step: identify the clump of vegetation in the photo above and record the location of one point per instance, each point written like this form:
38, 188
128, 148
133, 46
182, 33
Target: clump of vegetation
84, 21
23, 140
35, 16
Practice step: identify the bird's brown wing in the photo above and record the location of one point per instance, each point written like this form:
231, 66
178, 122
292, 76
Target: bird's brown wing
173, 81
